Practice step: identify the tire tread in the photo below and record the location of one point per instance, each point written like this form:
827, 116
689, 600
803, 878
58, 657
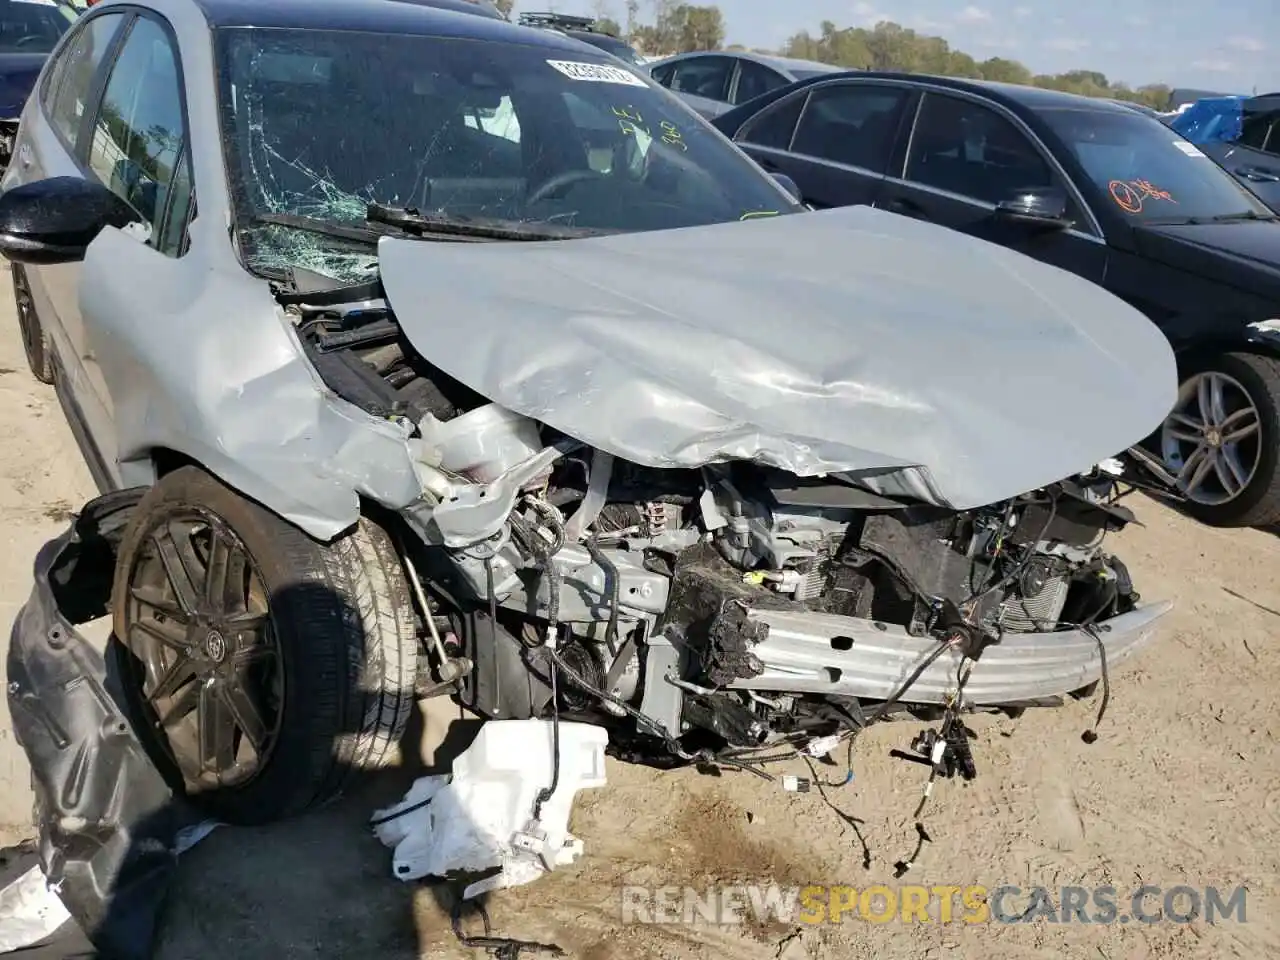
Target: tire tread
346, 606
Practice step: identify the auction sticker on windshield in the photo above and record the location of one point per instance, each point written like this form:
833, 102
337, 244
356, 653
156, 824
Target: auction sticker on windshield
596, 72
1190, 149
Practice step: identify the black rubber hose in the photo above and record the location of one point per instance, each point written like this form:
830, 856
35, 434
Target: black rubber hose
543, 553
546, 793
615, 593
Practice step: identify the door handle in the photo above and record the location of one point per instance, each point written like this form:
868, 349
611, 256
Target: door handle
1258, 174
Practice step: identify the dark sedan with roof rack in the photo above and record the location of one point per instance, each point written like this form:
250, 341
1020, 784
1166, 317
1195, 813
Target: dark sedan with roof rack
1090, 186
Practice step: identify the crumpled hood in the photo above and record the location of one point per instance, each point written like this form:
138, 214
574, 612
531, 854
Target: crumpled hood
850, 340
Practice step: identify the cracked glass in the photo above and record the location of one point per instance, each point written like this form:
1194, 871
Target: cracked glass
319, 124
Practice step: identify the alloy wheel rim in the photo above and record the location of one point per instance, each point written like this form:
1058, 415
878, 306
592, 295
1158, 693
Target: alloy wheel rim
206, 659
1212, 440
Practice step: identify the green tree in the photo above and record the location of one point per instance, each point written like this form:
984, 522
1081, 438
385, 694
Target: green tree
1000, 70
680, 28
894, 47
700, 28
891, 46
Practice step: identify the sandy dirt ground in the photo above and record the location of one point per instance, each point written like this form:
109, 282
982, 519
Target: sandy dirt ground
1183, 787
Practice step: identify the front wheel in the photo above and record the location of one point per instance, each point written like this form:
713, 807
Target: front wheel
35, 343
263, 668
1222, 440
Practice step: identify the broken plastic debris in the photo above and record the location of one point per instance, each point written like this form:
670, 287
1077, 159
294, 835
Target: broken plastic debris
481, 816
1112, 465
795, 784
29, 911
821, 746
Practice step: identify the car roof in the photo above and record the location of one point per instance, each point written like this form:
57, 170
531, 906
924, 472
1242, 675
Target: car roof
483, 8
1010, 94
412, 17
788, 64
596, 38
1263, 103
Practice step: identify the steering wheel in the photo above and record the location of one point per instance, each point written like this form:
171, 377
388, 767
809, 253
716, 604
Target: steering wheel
560, 181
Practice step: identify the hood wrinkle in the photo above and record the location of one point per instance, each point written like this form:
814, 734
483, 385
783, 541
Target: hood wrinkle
849, 340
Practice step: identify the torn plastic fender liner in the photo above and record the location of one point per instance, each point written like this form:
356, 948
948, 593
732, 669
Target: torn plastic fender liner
108, 822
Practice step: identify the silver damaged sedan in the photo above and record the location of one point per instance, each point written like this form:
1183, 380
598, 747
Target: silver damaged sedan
418, 353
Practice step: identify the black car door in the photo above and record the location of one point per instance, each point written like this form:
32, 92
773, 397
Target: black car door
833, 139
967, 156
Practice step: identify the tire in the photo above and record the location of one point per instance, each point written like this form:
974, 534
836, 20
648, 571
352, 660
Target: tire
35, 343
334, 667
1257, 502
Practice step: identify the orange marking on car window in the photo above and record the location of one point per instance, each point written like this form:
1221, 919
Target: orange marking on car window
1130, 195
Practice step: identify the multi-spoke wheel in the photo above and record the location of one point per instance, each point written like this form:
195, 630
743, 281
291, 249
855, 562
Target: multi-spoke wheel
196, 616
1221, 440
263, 668
34, 341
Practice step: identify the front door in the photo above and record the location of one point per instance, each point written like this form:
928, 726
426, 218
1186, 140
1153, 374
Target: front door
965, 158
51, 144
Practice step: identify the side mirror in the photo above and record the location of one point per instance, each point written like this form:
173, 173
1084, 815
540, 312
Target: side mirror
788, 185
1044, 207
54, 220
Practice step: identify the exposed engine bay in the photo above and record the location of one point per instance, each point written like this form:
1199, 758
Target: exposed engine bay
696, 609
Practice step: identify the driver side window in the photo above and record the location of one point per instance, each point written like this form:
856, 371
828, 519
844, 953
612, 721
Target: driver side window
968, 149
139, 135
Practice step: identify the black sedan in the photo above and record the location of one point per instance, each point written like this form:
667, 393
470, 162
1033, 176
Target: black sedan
1095, 188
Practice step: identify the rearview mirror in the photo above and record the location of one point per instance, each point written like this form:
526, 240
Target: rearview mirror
788, 185
1044, 207
54, 220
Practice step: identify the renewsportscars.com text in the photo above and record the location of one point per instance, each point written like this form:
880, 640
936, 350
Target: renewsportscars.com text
914, 903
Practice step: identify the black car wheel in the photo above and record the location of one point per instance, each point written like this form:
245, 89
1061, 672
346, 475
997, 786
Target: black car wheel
264, 669
1222, 440
34, 342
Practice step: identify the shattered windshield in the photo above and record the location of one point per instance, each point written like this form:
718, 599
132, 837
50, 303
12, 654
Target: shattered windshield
321, 123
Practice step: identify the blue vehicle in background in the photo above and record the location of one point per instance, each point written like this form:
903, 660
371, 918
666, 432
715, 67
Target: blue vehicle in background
1243, 135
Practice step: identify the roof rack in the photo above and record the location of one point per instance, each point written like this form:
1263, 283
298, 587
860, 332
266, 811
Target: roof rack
562, 21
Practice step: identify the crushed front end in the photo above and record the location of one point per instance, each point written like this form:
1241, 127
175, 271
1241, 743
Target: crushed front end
740, 606
732, 605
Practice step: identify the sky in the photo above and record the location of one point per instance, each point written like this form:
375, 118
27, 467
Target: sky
1230, 46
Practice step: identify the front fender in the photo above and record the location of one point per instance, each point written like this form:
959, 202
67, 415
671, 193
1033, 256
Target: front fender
1262, 336
200, 360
